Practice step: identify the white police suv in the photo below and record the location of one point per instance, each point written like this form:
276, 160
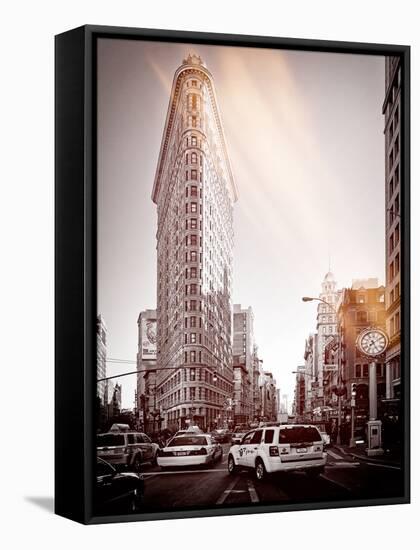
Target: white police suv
283, 448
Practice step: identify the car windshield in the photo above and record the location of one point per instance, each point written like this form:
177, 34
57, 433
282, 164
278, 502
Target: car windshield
109, 440
299, 434
187, 440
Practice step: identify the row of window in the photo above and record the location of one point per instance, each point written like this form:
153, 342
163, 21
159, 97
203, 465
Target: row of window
193, 175
194, 374
192, 394
394, 239
394, 209
394, 267
192, 158
393, 154
362, 371
394, 181
192, 207
191, 190
192, 338
394, 294
395, 324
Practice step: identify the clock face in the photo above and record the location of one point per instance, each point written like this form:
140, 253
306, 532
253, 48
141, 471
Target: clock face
373, 342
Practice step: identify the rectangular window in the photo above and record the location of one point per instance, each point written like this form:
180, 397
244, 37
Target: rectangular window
193, 240
194, 174
193, 338
365, 370
194, 141
193, 207
193, 190
193, 272
193, 256
358, 371
193, 158
192, 356
192, 375
193, 321
193, 305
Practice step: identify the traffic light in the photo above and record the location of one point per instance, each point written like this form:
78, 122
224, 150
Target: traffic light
353, 390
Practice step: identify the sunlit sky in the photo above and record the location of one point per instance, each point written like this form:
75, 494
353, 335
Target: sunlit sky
304, 132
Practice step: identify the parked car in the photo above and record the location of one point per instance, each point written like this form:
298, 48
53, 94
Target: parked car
221, 436
117, 492
322, 427
126, 450
238, 433
282, 448
190, 449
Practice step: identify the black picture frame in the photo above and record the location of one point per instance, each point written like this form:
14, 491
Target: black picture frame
75, 264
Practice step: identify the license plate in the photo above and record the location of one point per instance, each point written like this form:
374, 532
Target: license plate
182, 453
302, 450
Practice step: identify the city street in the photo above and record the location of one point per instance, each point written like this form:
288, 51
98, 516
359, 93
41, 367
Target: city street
344, 478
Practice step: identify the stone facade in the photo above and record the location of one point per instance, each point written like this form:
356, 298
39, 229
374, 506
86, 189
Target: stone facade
392, 113
194, 191
360, 307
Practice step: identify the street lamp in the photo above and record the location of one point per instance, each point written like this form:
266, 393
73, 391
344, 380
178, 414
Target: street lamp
340, 389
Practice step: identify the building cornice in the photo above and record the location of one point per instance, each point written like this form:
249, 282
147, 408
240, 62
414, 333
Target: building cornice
170, 119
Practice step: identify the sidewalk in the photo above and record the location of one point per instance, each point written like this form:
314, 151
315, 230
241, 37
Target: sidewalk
359, 452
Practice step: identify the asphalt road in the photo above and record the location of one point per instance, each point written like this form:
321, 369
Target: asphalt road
344, 479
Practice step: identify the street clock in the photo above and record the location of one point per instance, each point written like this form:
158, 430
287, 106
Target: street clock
372, 342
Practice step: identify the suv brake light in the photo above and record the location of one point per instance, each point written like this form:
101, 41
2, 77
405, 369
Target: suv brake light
274, 451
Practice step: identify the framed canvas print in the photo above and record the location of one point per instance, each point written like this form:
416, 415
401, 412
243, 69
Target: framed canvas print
232, 274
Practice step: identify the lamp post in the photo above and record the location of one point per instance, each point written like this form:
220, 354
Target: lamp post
340, 378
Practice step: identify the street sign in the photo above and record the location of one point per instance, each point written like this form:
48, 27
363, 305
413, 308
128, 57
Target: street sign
331, 367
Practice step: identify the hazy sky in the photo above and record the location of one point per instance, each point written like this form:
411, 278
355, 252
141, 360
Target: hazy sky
305, 137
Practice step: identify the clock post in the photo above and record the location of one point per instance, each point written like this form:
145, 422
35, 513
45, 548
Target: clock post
372, 342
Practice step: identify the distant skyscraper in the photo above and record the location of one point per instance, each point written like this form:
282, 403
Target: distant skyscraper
327, 331
194, 192
146, 367
101, 334
243, 363
392, 112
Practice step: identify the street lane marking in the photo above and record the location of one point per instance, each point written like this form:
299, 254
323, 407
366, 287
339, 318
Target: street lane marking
252, 492
342, 464
169, 472
226, 492
336, 483
334, 455
383, 465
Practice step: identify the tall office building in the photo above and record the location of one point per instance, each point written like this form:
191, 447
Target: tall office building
392, 113
194, 191
243, 363
101, 334
146, 369
326, 325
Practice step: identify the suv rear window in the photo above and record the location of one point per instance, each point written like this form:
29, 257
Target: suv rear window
269, 436
299, 434
109, 440
187, 440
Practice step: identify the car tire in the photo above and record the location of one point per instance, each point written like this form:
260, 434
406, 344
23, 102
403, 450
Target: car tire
260, 471
314, 472
232, 468
137, 463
